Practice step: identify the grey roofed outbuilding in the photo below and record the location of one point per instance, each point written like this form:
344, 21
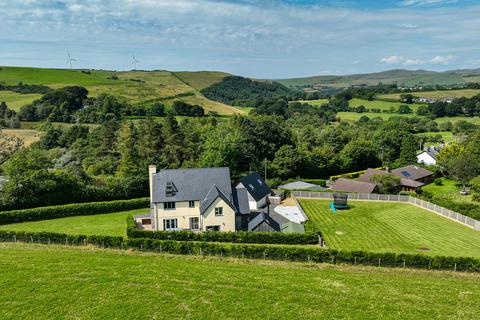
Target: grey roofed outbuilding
263, 217
191, 184
300, 185
256, 186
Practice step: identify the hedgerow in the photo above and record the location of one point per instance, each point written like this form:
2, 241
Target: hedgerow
290, 253
69, 210
233, 237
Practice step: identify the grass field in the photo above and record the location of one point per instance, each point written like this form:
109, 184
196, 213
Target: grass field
201, 79
468, 93
391, 227
110, 224
28, 136
448, 190
318, 102
15, 100
382, 105
354, 116
40, 281
447, 136
135, 86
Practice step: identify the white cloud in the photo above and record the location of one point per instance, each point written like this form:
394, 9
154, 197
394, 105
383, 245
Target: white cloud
442, 59
393, 59
412, 62
425, 2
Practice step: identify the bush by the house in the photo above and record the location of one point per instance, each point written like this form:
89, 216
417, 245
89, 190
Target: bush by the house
233, 237
290, 253
68, 210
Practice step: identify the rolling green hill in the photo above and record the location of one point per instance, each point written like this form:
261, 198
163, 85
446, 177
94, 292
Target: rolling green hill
135, 86
399, 76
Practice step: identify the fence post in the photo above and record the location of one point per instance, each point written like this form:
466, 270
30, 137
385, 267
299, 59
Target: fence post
404, 264
15, 238
455, 267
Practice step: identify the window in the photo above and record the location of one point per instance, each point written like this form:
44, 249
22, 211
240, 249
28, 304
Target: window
213, 228
194, 225
170, 224
169, 206
191, 204
219, 211
251, 187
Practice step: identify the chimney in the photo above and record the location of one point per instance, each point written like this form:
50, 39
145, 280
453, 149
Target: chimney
152, 169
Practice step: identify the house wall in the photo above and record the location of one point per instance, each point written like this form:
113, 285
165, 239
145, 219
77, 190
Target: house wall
252, 203
226, 222
182, 213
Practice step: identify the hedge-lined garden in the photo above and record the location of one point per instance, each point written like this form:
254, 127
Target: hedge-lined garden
233, 237
290, 253
70, 210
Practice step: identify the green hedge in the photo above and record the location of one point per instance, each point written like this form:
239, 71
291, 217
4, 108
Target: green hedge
68, 210
290, 253
233, 237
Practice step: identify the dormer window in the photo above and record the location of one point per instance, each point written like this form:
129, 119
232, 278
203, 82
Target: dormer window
170, 189
251, 187
259, 182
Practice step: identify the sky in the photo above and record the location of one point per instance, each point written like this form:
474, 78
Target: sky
261, 39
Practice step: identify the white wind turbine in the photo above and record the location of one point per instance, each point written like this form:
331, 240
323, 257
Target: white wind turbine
134, 62
70, 60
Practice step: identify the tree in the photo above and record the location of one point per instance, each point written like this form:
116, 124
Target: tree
408, 152
128, 150
450, 151
386, 183
359, 154
463, 168
404, 109
407, 98
287, 162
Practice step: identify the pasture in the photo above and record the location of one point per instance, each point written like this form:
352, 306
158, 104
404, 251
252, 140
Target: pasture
440, 94
110, 224
316, 103
446, 136
137, 87
354, 116
391, 227
28, 136
382, 105
93, 283
15, 100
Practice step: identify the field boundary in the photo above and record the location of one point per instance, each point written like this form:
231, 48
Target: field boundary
439, 210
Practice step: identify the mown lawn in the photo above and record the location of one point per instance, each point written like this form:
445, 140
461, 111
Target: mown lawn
39, 282
110, 224
391, 227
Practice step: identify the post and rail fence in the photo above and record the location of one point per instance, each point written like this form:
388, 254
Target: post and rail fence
447, 213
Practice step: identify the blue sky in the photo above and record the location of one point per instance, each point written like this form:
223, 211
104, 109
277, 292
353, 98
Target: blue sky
263, 39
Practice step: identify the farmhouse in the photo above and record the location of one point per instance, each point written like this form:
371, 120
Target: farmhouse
196, 199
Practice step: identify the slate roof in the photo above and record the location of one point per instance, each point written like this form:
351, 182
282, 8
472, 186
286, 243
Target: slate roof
255, 186
240, 200
191, 184
348, 185
212, 195
407, 182
412, 172
263, 217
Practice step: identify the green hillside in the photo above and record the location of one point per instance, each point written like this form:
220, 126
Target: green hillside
135, 86
399, 76
58, 282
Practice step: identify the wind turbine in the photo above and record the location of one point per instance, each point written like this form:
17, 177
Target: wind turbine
70, 60
134, 62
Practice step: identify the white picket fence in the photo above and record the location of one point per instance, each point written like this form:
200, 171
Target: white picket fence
447, 213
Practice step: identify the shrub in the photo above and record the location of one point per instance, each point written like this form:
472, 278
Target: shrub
233, 237
290, 253
438, 182
69, 210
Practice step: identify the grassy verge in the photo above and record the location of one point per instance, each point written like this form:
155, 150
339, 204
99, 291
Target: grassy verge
110, 224
391, 227
91, 283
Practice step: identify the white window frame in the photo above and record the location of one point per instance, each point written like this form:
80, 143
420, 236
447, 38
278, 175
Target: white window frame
198, 223
169, 205
218, 211
170, 222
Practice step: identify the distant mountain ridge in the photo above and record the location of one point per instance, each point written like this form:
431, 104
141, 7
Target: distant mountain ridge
401, 77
